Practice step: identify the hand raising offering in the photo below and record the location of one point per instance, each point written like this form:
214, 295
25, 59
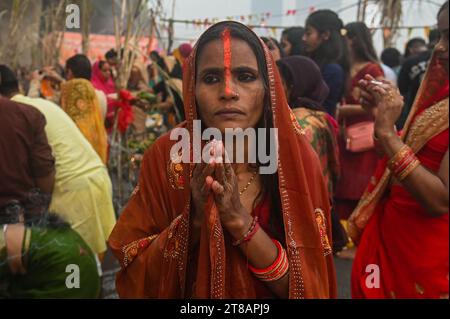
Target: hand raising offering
386, 98
200, 188
226, 192
218, 179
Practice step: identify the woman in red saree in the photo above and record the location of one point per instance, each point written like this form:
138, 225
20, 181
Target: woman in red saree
356, 167
102, 80
176, 239
401, 223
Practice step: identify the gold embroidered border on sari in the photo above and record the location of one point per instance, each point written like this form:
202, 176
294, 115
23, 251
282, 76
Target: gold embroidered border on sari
427, 125
131, 250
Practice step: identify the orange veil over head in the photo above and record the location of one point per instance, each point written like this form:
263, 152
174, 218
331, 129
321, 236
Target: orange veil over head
151, 238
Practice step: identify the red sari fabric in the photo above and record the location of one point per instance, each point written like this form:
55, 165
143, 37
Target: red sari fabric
410, 248
356, 168
262, 211
151, 238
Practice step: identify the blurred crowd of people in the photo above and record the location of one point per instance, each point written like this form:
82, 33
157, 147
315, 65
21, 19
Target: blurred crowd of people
58, 123
344, 55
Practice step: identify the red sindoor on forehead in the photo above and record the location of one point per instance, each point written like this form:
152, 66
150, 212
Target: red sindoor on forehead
226, 38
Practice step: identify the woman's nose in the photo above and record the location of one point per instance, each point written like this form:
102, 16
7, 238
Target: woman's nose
229, 90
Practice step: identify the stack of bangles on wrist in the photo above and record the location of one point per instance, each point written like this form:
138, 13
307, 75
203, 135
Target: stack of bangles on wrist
277, 270
403, 163
250, 233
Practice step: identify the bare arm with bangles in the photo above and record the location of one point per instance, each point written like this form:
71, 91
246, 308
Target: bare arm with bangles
268, 259
430, 189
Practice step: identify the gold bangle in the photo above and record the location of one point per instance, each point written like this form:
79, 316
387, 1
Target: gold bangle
403, 175
393, 162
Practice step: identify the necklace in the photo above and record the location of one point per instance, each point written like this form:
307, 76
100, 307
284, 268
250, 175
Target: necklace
248, 184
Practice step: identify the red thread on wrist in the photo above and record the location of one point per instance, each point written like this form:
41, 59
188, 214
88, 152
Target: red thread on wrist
250, 233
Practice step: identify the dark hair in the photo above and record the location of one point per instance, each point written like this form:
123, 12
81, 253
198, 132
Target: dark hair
80, 66
391, 57
443, 8
101, 63
285, 75
60, 70
362, 43
295, 37
268, 42
303, 77
413, 42
8, 81
111, 54
433, 38
335, 50
269, 182
35, 212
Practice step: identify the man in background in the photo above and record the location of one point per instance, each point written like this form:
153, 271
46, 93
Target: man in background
412, 73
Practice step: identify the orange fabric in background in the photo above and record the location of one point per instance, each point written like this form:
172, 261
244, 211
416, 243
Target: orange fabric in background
98, 45
79, 101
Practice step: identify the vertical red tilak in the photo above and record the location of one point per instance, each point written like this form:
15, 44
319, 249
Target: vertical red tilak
226, 38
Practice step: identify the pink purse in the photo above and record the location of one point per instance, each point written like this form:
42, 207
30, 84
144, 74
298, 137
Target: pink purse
359, 137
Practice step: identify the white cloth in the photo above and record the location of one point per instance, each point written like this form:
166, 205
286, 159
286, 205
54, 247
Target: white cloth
389, 74
103, 102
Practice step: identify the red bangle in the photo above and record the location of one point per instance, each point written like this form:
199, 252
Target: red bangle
404, 163
279, 273
408, 170
398, 159
394, 161
257, 271
277, 270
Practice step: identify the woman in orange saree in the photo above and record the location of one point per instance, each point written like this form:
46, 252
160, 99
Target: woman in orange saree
172, 245
402, 221
79, 101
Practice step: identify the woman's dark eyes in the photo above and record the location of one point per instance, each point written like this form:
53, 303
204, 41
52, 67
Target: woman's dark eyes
246, 77
243, 77
211, 79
